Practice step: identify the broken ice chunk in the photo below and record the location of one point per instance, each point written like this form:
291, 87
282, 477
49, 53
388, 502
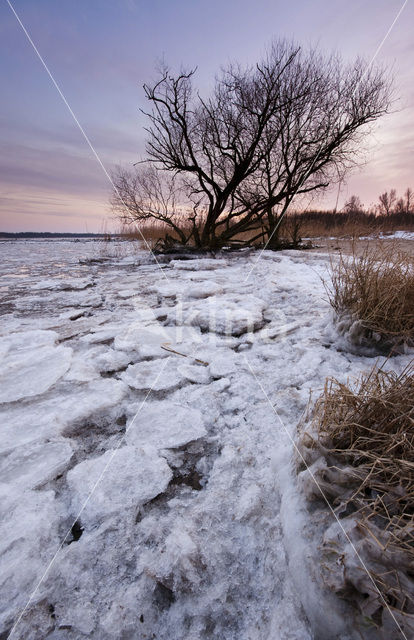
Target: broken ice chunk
165, 425
152, 376
31, 364
119, 480
33, 465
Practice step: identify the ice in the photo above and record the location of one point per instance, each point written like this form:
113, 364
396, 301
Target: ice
121, 480
199, 527
223, 363
127, 293
229, 315
30, 364
143, 339
47, 418
395, 235
104, 334
206, 264
170, 291
203, 290
27, 340
35, 464
195, 373
110, 360
64, 285
152, 376
89, 363
78, 299
28, 532
166, 290
82, 369
166, 425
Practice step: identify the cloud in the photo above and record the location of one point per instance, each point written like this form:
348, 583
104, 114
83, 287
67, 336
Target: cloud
52, 211
52, 178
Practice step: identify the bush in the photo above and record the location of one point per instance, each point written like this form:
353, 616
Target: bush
364, 434
373, 296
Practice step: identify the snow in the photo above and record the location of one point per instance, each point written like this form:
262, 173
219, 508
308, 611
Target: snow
395, 235
166, 385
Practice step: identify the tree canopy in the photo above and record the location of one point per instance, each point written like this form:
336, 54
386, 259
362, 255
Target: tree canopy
232, 162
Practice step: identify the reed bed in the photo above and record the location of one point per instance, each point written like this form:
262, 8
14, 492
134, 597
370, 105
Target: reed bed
376, 290
365, 434
296, 225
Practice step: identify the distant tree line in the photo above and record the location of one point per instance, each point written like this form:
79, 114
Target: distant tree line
389, 213
46, 234
388, 204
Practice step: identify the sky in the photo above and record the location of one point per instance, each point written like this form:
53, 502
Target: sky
100, 53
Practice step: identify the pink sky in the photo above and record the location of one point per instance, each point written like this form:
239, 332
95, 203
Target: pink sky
101, 54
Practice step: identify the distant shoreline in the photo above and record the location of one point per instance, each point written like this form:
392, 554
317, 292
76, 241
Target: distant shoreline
46, 234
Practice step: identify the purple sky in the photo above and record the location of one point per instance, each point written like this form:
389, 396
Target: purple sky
101, 52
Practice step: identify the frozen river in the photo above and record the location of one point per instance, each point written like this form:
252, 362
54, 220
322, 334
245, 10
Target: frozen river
147, 469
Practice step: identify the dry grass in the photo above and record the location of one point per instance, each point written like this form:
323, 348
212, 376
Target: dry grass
155, 232
376, 289
322, 224
348, 229
316, 224
365, 432
152, 231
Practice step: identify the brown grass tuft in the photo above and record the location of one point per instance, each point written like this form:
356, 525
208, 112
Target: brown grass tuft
376, 290
365, 433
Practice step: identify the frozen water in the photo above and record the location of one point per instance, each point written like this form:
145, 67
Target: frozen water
205, 264
166, 425
121, 480
143, 339
203, 290
30, 365
146, 376
51, 415
224, 363
195, 373
29, 524
35, 464
229, 315
198, 528
63, 285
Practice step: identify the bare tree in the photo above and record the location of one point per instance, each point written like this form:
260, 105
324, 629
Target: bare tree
404, 205
150, 194
400, 206
288, 126
353, 205
387, 201
318, 132
409, 198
